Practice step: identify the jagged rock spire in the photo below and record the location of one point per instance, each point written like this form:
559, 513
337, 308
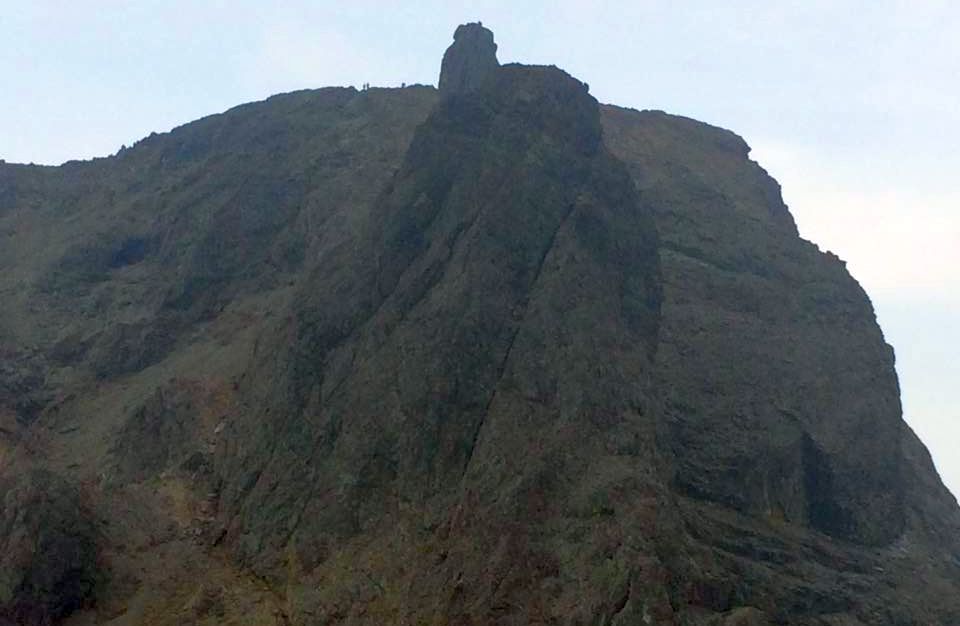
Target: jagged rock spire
469, 60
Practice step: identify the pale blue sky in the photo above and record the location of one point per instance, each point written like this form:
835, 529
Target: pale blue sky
853, 106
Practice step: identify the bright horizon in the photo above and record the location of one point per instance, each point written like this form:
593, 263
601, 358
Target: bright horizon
854, 109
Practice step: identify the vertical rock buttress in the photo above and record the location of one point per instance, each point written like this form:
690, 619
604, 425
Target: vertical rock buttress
470, 59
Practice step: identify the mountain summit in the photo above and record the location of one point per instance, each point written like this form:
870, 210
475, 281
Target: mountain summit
469, 61
489, 354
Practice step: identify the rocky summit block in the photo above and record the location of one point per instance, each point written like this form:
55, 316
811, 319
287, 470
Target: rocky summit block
496, 354
469, 61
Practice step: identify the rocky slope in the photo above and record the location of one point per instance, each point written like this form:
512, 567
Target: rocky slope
493, 354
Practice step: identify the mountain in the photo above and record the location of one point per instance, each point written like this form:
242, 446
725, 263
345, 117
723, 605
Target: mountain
492, 353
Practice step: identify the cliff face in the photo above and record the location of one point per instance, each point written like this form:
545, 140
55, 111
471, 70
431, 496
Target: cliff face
780, 402
765, 342
494, 355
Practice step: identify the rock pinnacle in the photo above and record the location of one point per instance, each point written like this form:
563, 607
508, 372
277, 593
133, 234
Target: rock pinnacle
469, 60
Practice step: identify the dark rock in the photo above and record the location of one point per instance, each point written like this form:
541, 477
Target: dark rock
47, 549
159, 434
506, 222
130, 252
24, 389
499, 355
469, 61
761, 443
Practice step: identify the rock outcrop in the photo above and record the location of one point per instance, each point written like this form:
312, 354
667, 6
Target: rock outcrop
47, 549
496, 354
469, 61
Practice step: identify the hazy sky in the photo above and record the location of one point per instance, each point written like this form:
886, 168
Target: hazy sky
853, 106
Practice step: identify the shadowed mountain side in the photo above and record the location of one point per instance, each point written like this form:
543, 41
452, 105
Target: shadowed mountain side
427, 365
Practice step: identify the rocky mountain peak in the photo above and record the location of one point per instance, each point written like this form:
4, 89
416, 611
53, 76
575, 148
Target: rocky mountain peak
495, 355
469, 60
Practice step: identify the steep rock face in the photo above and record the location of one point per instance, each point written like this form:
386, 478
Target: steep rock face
133, 291
767, 343
168, 232
766, 353
496, 355
47, 551
444, 375
469, 61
